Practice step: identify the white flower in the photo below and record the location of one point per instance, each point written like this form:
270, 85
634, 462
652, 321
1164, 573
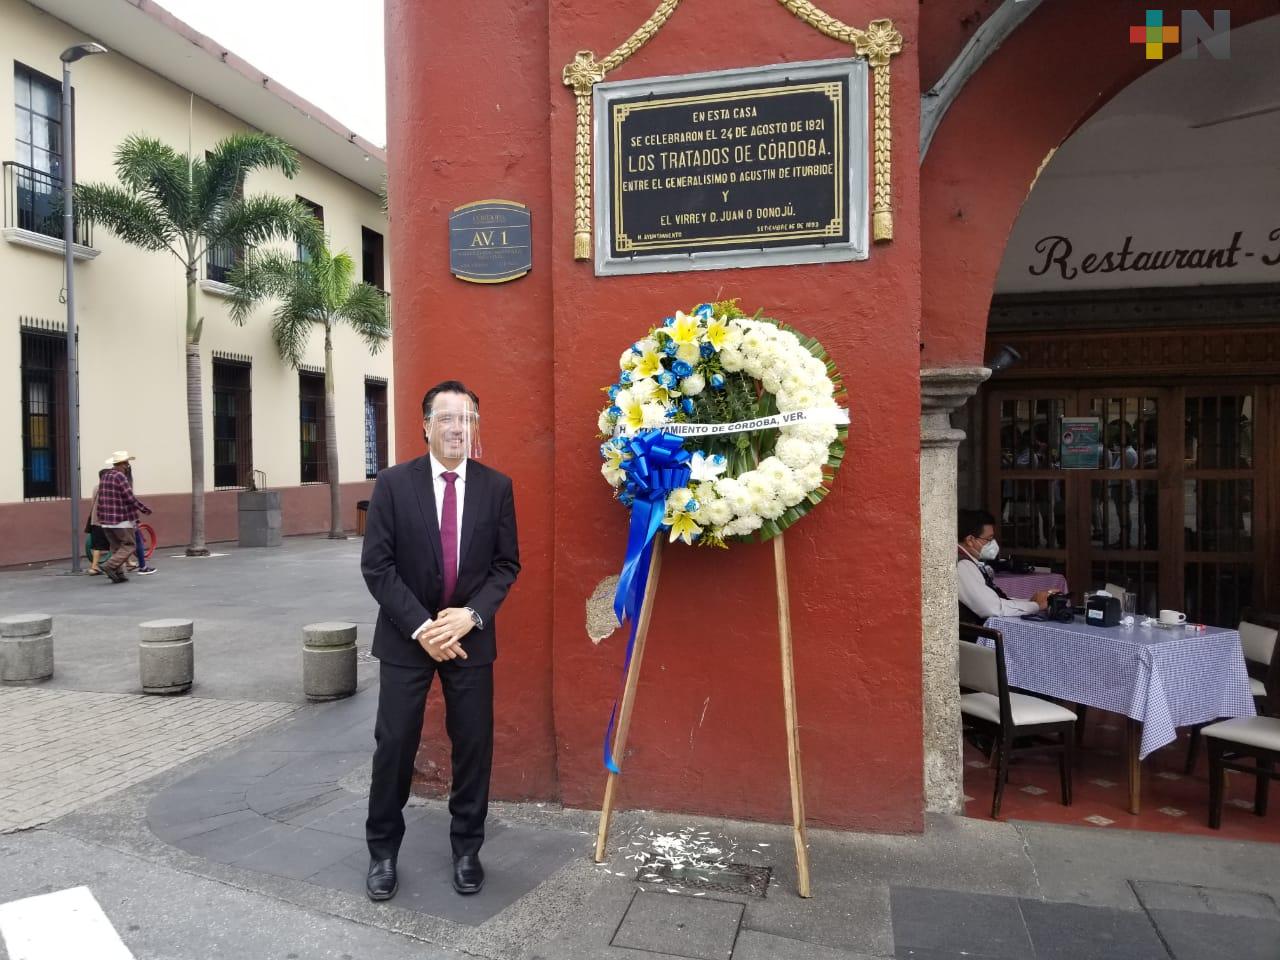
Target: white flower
678, 501
771, 382
614, 475
627, 360
743, 524
693, 385
811, 476
646, 389
606, 422
731, 359
729, 487
752, 365
791, 493
775, 471
772, 509
719, 512
688, 352
705, 468
795, 452
654, 414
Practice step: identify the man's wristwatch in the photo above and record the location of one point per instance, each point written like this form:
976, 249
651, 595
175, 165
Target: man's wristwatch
475, 618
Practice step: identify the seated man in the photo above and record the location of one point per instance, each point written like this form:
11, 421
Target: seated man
979, 596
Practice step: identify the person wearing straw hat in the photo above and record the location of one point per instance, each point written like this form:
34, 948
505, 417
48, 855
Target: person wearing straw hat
118, 512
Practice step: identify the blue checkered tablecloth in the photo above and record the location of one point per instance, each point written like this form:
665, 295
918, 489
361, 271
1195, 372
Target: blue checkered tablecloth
1165, 678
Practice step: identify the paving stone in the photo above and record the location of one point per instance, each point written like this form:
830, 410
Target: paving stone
299, 854
754, 945
1157, 895
702, 928
945, 923
1202, 936
1070, 931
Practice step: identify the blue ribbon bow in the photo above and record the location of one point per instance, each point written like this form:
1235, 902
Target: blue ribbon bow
658, 464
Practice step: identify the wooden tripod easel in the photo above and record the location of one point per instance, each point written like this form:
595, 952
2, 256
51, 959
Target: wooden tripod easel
798, 833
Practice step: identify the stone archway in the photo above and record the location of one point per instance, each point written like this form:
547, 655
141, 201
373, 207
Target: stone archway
1013, 112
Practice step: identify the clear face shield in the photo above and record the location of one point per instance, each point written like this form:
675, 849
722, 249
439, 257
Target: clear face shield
452, 428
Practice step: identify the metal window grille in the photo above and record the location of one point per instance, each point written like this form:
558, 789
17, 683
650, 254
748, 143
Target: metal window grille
232, 424
33, 201
46, 452
372, 257
375, 428
220, 261
315, 463
316, 211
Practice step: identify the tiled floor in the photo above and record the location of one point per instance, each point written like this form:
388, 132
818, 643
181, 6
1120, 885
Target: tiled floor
1171, 801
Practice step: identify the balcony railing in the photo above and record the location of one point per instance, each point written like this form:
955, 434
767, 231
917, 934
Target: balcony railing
33, 201
220, 261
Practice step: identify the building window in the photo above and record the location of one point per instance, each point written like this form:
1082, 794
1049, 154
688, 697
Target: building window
45, 450
316, 211
222, 258
371, 257
315, 464
375, 428
232, 425
34, 179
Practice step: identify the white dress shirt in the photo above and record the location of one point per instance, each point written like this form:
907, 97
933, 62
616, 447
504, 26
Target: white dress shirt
974, 593
438, 470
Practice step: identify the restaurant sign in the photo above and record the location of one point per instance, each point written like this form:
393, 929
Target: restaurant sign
735, 168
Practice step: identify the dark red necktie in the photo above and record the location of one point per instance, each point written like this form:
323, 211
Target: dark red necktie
449, 536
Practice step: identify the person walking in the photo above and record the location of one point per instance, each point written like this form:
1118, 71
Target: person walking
118, 512
145, 569
98, 542
440, 554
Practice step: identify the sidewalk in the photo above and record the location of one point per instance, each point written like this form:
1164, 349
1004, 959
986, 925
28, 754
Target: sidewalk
229, 823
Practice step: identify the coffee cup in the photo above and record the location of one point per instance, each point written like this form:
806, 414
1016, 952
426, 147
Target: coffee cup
1171, 618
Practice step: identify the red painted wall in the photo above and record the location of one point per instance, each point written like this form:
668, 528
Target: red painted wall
44, 529
470, 89
467, 120
1025, 100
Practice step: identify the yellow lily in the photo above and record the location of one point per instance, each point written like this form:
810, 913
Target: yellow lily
683, 527
717, 331
632, 415
684, 330
649, 365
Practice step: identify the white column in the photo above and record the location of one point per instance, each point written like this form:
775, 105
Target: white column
941, 392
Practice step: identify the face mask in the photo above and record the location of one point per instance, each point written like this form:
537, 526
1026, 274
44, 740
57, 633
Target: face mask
989, 551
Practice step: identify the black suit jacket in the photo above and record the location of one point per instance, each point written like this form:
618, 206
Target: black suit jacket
402, 560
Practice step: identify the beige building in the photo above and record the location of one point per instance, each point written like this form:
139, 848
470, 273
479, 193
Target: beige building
163, 79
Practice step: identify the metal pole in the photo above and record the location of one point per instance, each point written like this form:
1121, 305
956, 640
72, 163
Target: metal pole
73, 366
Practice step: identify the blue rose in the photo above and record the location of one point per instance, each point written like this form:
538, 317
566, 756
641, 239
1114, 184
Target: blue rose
687, 405
681, 369
670, 348
717, 381
667, 379
703, 311
671, 413
635, 348
691, 506
668, 321
626, 377
613, 391
615, 411
707, 351
627, 499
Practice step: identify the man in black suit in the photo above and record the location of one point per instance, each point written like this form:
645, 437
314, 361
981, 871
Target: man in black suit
439, 556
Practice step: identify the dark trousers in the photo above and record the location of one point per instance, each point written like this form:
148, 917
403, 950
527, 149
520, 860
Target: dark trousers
468, 704
141, 548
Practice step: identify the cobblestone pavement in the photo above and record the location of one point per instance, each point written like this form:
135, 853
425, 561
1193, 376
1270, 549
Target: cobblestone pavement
61, 749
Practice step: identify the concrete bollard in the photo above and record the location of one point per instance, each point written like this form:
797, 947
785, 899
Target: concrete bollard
328, 660
166, 656
26, 647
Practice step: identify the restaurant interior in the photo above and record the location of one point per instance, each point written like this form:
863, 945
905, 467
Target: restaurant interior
1127, 441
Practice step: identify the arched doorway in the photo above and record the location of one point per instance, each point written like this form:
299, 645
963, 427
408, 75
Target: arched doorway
1000, 132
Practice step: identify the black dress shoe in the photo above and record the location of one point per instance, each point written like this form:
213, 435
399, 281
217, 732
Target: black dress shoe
468, 875
382, 883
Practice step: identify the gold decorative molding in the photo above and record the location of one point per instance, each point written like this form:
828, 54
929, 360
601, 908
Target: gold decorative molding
878, 44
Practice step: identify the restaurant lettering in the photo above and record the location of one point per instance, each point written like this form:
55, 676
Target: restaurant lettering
1058, 257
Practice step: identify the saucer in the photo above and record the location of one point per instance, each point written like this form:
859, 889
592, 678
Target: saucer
1167, 626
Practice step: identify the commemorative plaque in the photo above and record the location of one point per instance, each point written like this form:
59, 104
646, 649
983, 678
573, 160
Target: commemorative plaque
490, 241
735, 168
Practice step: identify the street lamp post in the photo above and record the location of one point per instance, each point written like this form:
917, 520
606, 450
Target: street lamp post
70, 56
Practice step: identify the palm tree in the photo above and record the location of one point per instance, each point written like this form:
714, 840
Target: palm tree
318, 290
189, 205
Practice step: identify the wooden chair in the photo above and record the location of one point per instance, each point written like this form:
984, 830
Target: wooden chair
1255, 738
1258, 639
1010, 719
